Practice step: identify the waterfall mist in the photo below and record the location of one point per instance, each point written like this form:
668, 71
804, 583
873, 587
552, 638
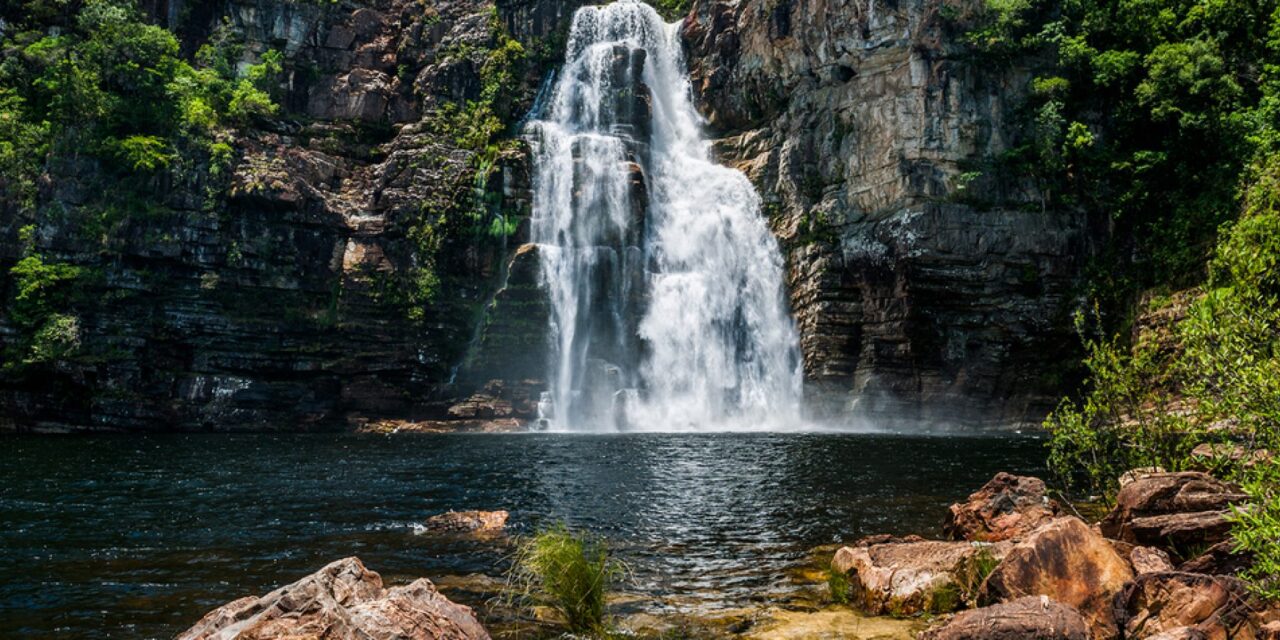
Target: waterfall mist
665, 283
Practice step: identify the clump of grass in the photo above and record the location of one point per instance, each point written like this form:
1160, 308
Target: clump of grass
837, 586
972, 572
569, 572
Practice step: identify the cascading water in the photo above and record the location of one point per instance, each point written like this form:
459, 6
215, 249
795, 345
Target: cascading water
664, 281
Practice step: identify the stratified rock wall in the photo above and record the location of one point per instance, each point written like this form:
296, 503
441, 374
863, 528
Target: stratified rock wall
926, 287
269, 294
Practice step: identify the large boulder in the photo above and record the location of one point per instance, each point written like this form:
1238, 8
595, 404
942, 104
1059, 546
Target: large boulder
1156, 603
1029, 618
1006, 507
904, 578
1068, 562
342, 601
1172, 510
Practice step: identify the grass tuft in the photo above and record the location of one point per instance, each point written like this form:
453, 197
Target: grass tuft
569, 572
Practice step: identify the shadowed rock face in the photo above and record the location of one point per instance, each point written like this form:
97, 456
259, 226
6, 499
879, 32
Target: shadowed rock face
920, 294
267, 298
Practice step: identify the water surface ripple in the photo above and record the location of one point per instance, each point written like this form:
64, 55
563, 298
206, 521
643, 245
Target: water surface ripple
137, 536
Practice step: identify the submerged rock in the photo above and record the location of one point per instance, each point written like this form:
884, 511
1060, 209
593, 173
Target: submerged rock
467, 522
1005, 507
1068, 562
1029, 618
342, 601
904, 578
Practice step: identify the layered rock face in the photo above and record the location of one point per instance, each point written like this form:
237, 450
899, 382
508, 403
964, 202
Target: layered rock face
926, 287
323, 277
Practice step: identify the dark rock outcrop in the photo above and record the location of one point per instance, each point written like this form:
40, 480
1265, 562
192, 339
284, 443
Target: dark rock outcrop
923, 289
342, 601
1029, 618
328, 275
1006, 507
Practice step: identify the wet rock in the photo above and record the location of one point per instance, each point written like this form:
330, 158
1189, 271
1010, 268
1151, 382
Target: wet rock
1005, 507
1149, 560
342, 601
467, 521
904, 578
1068, 562
1028, 618
1155, 603
1172, 510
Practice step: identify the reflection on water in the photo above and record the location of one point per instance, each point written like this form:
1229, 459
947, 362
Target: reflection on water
139, 536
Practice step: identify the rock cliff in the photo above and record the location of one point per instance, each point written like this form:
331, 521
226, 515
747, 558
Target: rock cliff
927, 286
336, 269
348, 262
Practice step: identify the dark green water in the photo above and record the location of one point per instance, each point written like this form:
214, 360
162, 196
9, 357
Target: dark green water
137, 537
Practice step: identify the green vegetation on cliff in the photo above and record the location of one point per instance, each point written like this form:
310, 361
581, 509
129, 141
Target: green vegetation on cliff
1165, 116
1148, 111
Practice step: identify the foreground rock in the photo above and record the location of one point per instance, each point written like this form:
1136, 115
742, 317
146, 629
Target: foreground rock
1029, 618
342, 601
1172, 510
1166, 603
1005, 507
1068, 562
905, 578
467, 522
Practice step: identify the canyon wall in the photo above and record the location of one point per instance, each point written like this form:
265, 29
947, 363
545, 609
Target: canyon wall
277, 292
271, 294
928, 287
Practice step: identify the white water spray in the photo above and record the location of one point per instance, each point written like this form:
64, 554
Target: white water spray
664, 281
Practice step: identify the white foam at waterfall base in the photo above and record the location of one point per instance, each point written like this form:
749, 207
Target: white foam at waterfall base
674, 319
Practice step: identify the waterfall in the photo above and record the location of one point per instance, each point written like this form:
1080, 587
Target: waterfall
665, 283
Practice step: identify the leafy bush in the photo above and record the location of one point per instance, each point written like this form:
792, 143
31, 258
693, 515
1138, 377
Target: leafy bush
1214, 379
567, 571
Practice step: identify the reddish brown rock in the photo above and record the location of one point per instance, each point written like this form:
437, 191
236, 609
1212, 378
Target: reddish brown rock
904, 578
1149, 560
1154, 603
1220, 560
1172, 510
1180, 633
1068, 562
342, 601
1269, 631
1029, 618
467, 521
1006, 507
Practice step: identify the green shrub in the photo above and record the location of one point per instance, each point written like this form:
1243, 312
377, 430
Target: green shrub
1214, 379
1256, 529
567, 571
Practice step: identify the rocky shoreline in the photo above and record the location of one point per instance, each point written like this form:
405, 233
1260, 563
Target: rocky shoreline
1013, 563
